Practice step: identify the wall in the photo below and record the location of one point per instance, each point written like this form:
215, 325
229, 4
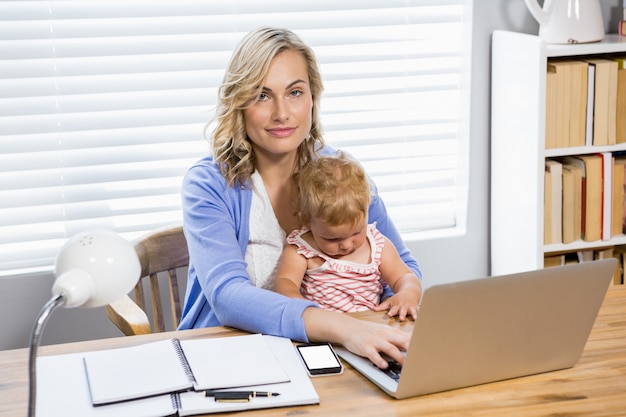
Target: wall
442, 259
466, 257
459, 258
21, 299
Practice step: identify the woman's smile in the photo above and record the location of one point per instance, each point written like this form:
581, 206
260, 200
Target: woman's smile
282, 132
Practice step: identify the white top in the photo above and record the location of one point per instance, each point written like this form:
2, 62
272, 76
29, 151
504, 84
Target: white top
267, 238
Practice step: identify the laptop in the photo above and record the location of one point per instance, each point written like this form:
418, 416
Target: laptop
490, 329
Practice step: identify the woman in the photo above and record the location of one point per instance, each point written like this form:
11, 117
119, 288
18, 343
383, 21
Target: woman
238, 203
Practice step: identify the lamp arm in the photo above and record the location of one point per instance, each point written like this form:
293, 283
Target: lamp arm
55, 302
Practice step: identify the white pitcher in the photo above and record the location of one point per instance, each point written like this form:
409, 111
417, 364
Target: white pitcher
568, 21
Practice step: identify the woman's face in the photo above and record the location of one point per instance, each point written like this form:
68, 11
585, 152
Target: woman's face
281, 118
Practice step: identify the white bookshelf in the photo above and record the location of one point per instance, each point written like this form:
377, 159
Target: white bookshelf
518, 92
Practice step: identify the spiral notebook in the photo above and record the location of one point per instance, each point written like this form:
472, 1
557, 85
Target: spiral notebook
63, 391
172, 365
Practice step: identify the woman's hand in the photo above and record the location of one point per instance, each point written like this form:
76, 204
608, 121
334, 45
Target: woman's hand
361, 337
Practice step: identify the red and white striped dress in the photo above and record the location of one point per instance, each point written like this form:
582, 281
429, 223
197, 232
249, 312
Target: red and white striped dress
342, 285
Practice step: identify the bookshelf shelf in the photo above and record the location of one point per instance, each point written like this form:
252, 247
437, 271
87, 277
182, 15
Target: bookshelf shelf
612, 43
582, 150
518, 153
582, 245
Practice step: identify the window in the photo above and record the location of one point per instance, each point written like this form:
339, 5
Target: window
103, 104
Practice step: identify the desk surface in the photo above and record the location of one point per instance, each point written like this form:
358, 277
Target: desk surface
596, 386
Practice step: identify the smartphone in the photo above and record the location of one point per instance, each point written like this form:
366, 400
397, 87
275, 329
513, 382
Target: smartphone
320, 359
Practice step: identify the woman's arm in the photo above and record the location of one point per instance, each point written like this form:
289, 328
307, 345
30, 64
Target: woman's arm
406, 286
378, 214
219, 289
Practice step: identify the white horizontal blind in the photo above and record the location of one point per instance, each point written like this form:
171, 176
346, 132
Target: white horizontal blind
103, 104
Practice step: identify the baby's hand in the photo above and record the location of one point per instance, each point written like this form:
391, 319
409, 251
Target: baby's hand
401, 304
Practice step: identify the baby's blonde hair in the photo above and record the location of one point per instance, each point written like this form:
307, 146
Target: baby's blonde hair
240, 89
333, 189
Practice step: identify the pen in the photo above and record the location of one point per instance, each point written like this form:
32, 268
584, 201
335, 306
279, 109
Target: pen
238, 395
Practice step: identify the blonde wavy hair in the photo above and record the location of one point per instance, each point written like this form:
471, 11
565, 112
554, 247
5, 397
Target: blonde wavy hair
333, 189
240, 89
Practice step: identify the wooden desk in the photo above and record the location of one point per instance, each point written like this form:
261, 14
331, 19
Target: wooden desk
596, 386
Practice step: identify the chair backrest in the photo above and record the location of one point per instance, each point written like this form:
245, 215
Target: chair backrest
160, 253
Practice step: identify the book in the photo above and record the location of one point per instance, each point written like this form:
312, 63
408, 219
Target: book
547, 206
63, 390
554, 173
606, 253
170, 366
592, 171
566, 103
585, 255
551, 104
612, 116
620, 105
607, 191
550, 261
560, 110
605, 100
619, 252
578, 103
576, 200
620, 161
617, 198
591, 80
603, 253
569, 205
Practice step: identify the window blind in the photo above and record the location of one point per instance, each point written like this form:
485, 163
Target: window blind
103, 105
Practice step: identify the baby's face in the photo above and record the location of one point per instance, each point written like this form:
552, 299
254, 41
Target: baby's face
340, 240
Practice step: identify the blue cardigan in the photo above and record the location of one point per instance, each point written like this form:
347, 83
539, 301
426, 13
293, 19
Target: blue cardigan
219, 292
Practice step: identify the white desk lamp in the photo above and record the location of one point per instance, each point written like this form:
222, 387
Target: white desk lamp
93, 269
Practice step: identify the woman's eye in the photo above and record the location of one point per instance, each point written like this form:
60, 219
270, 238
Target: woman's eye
296, 93
263, 97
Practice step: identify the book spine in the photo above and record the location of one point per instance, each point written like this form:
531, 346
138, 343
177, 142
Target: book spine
176, 403
183, 360
607, 191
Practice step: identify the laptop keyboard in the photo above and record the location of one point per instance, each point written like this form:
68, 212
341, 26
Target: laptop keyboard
393, 370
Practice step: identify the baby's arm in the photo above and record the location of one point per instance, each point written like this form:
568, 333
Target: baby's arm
291, 269
404, 283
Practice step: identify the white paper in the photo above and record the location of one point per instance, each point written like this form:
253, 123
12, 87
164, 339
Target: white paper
299, 391
135, 372
228, 362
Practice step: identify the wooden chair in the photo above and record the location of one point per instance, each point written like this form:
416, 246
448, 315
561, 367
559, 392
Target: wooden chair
160, 252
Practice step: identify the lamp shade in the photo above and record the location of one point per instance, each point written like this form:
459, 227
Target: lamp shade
95, 268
